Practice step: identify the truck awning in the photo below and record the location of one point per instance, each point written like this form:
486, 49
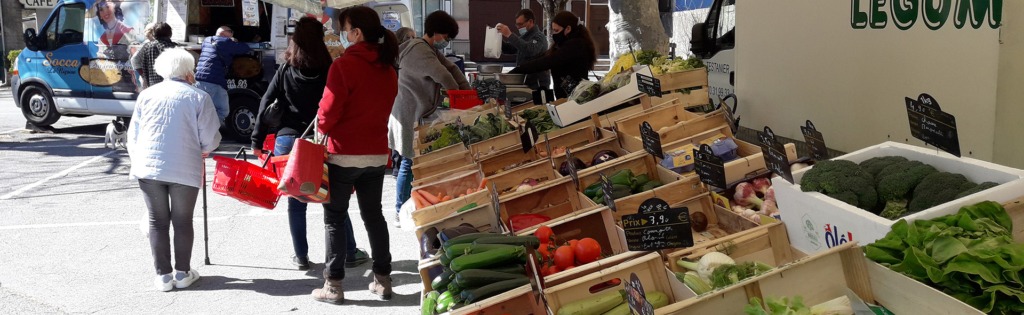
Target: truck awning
345, 3
305, 6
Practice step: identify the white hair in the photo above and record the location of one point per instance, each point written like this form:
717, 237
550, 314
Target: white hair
175, 63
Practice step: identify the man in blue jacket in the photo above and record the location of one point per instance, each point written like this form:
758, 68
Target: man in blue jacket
528, 43
218, 52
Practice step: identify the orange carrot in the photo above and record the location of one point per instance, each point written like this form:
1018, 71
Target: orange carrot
440, 195
446, 198
462, 195
469, 191
483, 183
416, 198
429, 197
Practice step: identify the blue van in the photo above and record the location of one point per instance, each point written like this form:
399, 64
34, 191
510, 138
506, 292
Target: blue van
78, 64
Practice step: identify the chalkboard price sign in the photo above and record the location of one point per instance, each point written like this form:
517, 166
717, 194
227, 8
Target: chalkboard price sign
496, 205
933, 126
657, 226
607, 189
573, 172
651, 140
636, 297
774, 154
815, 142
648, 85
528, 137
709, 167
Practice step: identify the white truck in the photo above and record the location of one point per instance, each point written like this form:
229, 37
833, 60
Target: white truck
848, 66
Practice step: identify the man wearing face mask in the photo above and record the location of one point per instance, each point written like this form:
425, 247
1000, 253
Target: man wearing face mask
571, 57
528, 43
422, 72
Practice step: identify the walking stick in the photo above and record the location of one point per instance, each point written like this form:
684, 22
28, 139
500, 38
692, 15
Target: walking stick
206, 229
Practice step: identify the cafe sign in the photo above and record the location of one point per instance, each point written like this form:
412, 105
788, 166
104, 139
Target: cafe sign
39, 4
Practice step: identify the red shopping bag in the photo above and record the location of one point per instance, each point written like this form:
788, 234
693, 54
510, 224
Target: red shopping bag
305, 170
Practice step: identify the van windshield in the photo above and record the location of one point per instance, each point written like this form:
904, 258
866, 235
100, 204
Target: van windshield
66, 27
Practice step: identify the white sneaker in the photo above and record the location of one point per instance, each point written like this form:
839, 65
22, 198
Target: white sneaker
164, 282
144, 226
184, 279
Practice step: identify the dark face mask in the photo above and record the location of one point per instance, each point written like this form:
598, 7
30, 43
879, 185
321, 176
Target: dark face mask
560, 37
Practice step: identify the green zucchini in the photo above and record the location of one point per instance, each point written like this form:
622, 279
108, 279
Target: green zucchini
443, 303
443, 258
526, 240
442, 280
429, 303
466, 207
622, 309
476, 249
478, 294
596, 304
514, 268
472, 278
494, 257
465, 238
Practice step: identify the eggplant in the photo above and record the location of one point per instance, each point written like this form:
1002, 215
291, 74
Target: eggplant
603, 156
564, 168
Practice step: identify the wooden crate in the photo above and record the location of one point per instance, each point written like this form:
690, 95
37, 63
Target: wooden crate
441, 165
518, 301
818, 279
768, 244
454, 170
481, 217
455, 184
694, 78
663, 118
597, 223
586, 153
571, 137
428, 270
454, 149
510, 180
495, 145
691, 100
648, 268
751, 159
467, 116
555, 199
639, 163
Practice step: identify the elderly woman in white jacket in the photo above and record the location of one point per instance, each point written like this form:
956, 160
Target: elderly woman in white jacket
174, 127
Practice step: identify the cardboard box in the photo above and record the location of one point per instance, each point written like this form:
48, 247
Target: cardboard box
571, 112
818, 222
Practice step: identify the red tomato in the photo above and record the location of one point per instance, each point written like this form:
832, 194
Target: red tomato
545, 252
553, 270
572, 243
564, 257
545, 234
586, 251
544, 272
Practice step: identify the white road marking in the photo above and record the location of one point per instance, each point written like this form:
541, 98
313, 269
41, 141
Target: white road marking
198, 218
54, 176
12, 130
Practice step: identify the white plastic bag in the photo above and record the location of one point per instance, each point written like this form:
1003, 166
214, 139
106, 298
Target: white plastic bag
405, 216
492, 43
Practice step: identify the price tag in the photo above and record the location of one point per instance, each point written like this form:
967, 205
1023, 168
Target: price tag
508, 111
656, 226
815, 142
547, 144
774, 154
651, 140
528, 137
648, 85
933, 126
573, 172
536, 281
607, 188
636, 297
730, 113
709, 167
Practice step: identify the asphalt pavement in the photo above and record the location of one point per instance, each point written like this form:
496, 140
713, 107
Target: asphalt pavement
70, 238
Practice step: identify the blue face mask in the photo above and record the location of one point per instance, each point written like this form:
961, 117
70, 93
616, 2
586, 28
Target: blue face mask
344, 40
441, 44
523, 30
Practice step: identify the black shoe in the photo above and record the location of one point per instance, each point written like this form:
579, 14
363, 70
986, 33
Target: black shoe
302, 263
361, 257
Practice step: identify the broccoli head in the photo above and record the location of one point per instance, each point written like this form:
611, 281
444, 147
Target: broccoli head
897, 181
894, 210
842, 180
976, 189
938, 188
876, 164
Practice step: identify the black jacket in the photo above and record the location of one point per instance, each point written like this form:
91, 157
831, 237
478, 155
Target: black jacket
299, 91
570, 59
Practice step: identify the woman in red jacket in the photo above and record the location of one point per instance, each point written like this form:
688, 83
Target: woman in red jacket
361, 89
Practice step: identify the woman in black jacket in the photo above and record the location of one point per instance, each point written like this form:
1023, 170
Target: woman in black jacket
298, 86
571, 57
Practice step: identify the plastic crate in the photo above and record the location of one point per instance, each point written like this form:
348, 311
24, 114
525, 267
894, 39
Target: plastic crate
245, 182
463, 99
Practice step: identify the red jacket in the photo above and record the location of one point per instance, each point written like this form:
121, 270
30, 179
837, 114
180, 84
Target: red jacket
357, 103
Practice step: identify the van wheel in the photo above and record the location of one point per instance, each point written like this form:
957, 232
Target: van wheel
37, 106
241, 120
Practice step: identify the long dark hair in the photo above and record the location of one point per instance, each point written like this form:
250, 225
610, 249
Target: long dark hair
567, 19
118, 13
306, 48
374, 33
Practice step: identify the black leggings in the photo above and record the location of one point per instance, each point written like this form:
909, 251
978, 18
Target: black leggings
369, 185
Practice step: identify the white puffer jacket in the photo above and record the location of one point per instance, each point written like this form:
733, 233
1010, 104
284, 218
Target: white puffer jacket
172, 126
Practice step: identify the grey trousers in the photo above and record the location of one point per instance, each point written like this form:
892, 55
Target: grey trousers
169, 204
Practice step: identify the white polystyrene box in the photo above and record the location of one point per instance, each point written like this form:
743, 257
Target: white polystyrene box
816, 222
571, 112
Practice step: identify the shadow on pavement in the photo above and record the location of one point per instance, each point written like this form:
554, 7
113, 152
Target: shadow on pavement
294, 287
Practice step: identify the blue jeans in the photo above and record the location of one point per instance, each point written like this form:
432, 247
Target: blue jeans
220, 98
297, 211
404, 188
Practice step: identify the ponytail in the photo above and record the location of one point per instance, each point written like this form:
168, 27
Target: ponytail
366, 19
387, 54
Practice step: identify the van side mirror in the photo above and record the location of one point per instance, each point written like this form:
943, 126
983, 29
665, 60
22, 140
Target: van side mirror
31, 39
699, 42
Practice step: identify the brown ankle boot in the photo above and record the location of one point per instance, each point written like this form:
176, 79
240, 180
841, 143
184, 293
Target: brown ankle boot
330, 293
381, 286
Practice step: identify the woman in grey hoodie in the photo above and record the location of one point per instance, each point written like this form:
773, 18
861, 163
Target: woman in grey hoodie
423, 70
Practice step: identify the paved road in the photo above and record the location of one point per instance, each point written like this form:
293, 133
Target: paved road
70, 240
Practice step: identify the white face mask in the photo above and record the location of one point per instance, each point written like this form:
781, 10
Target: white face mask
344, 40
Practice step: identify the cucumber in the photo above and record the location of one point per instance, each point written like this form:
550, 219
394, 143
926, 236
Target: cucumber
443, 258
489, 258
442, 280
514, 268
526, 240
596, 304
657, 299
456, 250
429, 303
465, 238
477, 248
443, 304
622, 309
478, 294
472, 278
